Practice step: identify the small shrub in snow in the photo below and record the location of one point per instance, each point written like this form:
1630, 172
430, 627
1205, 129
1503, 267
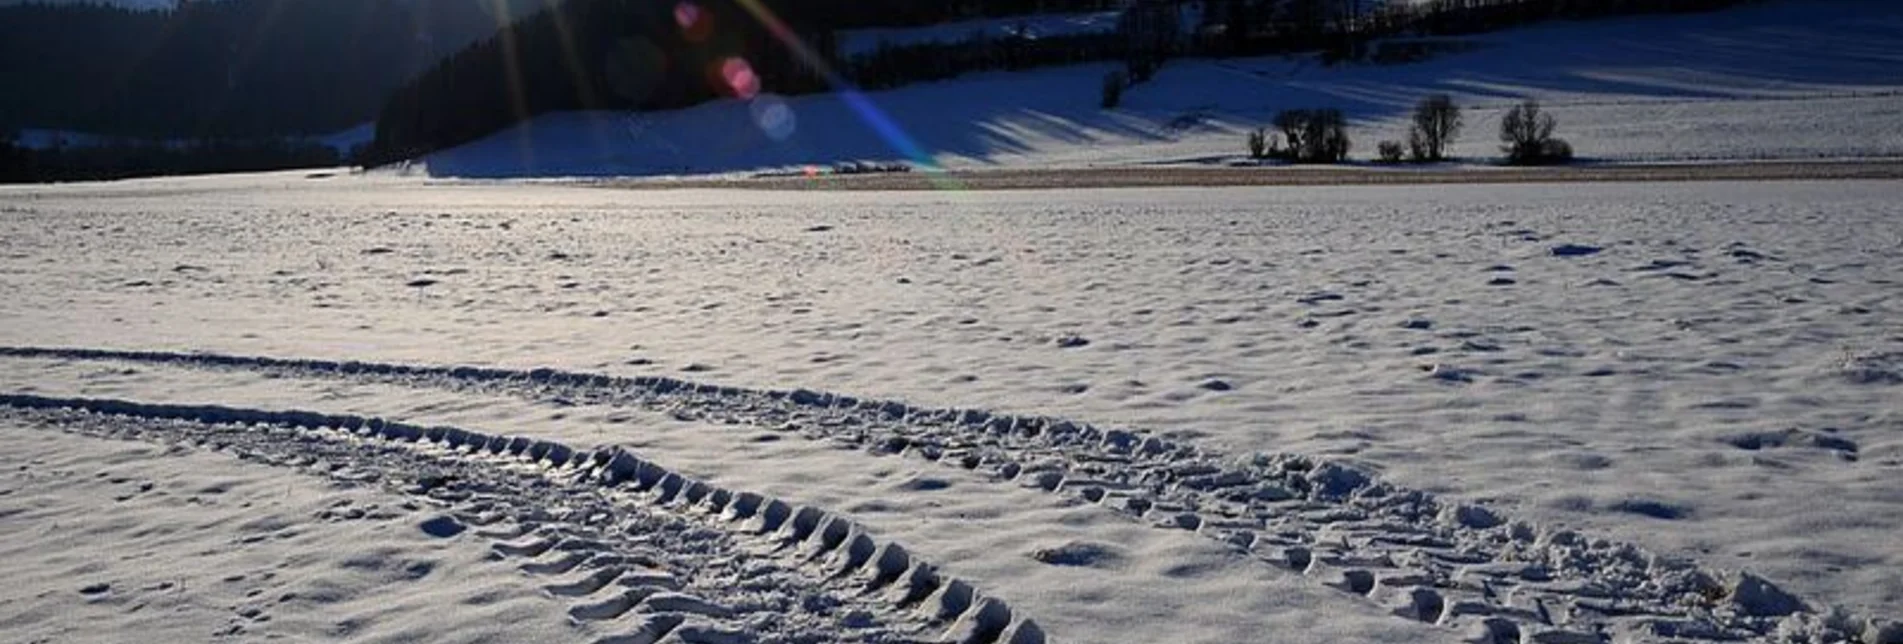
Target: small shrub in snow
1528, 135
1390, 151
870, 167
1113, 84
1556, 151
1437, 121
1314, 136
1259, 144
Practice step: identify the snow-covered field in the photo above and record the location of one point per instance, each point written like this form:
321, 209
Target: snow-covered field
1785, 79
1206, 413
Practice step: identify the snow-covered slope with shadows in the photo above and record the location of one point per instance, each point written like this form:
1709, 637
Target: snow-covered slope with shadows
1784, 79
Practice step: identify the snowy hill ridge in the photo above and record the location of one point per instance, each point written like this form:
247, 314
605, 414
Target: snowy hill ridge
1781, 80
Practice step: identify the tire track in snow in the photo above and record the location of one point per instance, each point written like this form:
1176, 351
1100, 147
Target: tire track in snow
1459, 565
649, 553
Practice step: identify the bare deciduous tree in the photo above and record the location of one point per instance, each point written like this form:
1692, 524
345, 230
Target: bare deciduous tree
1259, 144
1437, 120
1113, 84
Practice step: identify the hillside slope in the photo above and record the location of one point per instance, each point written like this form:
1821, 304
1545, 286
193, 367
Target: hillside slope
1781, 80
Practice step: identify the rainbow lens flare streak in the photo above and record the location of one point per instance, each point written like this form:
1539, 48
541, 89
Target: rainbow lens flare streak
861, 104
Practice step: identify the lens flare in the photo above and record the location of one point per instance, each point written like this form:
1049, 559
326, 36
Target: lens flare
862, 105
774, 117
695, 24
740, 78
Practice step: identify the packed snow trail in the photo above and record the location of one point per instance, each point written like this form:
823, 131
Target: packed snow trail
657, 556
1457, 565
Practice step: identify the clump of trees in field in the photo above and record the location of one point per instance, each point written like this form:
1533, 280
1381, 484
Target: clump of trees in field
1527, 133
1390, 151
1436, 122
1313, 135
1260, 145
1320, 136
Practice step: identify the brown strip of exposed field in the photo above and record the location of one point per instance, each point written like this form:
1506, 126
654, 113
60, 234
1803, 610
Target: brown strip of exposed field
1190, 176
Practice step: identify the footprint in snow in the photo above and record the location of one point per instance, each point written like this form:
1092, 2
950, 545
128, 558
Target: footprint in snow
442, 527
1652, 508
1082, 554
1575, 250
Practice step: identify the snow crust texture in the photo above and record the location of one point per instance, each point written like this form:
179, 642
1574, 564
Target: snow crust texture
1714, 387
654, 555
1455, 565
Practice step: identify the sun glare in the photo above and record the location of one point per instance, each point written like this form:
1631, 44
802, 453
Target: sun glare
862, 106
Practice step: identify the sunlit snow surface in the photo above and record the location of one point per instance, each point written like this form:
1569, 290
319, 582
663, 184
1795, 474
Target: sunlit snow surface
1722, 379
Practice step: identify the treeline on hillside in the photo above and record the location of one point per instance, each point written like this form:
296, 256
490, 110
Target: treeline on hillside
896, 65
854, 14
127, 160
1251, 27
1341, 29
229, 68
1451, 17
